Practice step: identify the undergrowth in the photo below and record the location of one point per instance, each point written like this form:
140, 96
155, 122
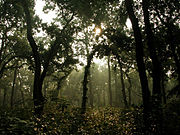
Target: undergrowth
58, 121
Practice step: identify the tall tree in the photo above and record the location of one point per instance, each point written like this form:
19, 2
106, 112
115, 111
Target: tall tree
140, 61
167, 13
91, 95
85, 79
156, 65
109, 81
122, 83
13, 86
117, 93
129, 88
156, 71
62, 41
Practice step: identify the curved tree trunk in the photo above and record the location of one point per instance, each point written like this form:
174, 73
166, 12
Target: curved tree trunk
85, 80
37, 88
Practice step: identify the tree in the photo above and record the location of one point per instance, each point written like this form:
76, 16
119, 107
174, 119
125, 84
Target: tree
11, 18
122, 83
13, 86
109, 81
129, 88
140, 61
60, 40
85, 79
167, 13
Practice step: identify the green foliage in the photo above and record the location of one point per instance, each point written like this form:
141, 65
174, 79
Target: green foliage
12, 124
111, 121
69, 121
172, 117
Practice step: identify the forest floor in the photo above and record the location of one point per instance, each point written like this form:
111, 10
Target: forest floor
102, 121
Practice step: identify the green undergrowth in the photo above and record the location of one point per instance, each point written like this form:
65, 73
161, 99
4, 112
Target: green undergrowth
58, 120
67, 121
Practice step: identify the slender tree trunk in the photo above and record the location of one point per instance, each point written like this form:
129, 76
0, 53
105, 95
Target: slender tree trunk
85, 82
140, 63
3, 48
91, 96
4, 97
98, 98
13, 88
123, 85
85, 89
163, 90
116, 86
1, 100
22, 93
104, 97
129, 88
22, 96
109, 81
45, 89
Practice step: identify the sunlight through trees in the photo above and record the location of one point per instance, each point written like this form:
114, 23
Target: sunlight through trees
89, 67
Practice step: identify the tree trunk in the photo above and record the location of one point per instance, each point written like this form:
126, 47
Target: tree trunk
163, 90
38, 79
104, 97
59, 81
173, 49
156, 68
140, 63
37, 95
123, 85
98, 98
45, 89
91, 96
129, 88
116, 86
22, 96
22, 93
109, 81
156, 71
13, 88
171, 39
4, 97
85, 82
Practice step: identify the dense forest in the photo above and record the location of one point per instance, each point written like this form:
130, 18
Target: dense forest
108, 67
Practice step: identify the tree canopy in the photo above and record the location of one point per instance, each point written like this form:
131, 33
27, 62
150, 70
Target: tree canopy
52, 66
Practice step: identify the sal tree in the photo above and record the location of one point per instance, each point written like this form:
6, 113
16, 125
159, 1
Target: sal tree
51, 55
